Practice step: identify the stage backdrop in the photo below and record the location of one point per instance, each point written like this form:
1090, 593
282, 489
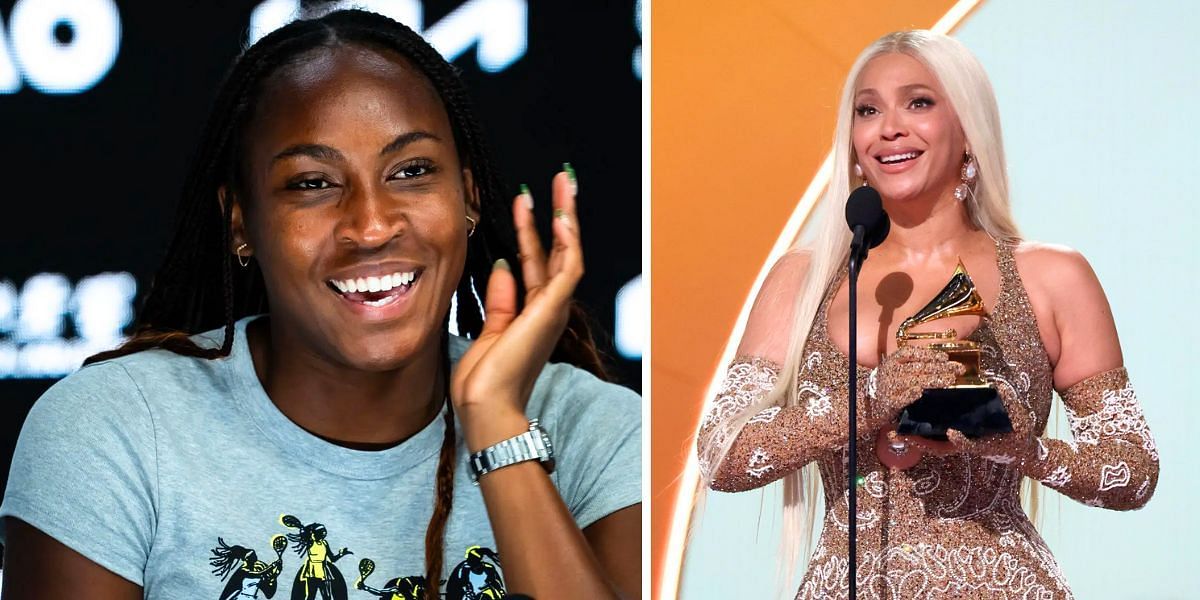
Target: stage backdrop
1096, 101
102, 102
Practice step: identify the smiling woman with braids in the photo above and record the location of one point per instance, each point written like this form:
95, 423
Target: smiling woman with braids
292, 366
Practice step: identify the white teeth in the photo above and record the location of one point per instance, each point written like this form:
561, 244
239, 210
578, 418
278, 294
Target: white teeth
374, 284
381, 302
897, 157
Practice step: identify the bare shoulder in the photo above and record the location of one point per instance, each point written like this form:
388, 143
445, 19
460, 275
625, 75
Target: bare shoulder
794, 261
1072, 309
787, 274
767, 332
1045, 260
1056, 272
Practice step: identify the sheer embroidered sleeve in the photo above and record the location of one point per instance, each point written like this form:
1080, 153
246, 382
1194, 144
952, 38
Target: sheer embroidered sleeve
1112, 461
776, 440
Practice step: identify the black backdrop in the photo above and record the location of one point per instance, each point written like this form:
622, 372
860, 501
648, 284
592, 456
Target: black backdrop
93, 177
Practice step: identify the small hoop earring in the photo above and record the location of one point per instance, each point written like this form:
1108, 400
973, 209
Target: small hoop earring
967, 174
473, 223
242, 260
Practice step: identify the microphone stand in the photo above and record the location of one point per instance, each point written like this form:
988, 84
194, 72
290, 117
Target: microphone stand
858, 253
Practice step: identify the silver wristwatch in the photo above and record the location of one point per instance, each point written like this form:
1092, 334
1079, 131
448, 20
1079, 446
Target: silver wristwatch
530, 445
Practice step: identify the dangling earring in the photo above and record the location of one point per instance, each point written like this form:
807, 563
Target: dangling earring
242, 260
967, 174
473, 222
858, 173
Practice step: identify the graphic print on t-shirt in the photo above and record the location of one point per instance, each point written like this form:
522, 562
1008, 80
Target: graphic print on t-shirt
476, 578
317, 576
250, 575
397, 588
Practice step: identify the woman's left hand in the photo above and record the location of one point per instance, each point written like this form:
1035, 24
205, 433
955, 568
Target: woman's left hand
493, 380
1014, 447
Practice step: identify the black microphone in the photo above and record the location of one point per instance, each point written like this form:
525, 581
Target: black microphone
867, 219
870, 224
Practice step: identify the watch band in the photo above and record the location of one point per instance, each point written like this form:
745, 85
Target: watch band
529, 445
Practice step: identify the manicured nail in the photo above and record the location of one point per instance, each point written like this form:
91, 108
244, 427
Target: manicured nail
501, 264
528, 196
570, 171
560, 214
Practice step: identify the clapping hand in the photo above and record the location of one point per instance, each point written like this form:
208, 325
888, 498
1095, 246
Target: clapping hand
492, 382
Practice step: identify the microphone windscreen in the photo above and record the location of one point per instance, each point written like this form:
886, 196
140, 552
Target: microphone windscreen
865, 207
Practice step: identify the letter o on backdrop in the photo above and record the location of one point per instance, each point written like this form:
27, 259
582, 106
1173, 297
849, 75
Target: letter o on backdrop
76, 64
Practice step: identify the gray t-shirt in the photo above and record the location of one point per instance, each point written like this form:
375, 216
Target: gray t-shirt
180, 475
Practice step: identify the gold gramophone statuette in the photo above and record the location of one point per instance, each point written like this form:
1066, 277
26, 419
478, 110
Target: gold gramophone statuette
958, 297
971, 405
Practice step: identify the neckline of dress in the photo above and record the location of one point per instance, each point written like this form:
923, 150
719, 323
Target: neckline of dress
999, 305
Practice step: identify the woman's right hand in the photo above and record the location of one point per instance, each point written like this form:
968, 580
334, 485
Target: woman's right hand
903, 376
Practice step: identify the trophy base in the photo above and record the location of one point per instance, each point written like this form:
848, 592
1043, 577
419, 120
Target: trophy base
975, 411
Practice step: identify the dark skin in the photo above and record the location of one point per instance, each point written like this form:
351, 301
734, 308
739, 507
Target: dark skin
354, 172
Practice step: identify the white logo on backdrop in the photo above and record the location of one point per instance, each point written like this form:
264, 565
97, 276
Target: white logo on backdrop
58, 46
35, 340
632, 326
496, 28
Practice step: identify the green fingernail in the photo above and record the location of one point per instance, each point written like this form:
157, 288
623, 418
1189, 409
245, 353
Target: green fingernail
560, 214
571, 175
501, 264
528, 196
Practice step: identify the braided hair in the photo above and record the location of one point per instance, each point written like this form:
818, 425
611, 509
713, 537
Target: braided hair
182, 299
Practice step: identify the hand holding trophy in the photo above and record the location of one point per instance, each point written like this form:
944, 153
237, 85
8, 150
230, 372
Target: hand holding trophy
962, 401
970, 405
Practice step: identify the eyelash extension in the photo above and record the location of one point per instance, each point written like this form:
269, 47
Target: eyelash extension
298, 183
423, 163
927, 100
862, 109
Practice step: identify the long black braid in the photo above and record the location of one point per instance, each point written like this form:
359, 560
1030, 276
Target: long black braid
182, 299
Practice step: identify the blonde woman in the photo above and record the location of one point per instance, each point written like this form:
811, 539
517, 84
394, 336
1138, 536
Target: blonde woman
918, 121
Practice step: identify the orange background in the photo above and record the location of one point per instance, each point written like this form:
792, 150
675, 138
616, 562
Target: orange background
743, 105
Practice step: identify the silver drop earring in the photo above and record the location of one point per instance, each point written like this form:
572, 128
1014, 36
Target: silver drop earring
968, 175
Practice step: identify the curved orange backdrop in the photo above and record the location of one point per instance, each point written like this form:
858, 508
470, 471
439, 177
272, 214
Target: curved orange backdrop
743, 105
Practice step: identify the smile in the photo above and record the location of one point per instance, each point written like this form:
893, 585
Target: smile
898, 158
375, 291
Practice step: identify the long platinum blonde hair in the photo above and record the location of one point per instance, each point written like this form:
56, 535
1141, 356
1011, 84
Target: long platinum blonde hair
970, 93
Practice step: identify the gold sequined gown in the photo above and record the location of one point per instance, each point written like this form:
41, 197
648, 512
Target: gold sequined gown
952, 526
